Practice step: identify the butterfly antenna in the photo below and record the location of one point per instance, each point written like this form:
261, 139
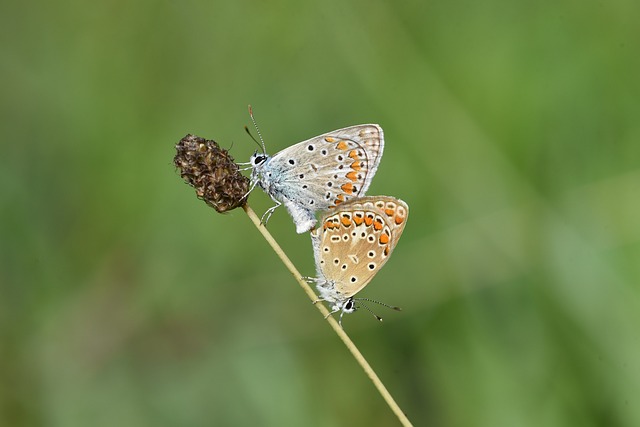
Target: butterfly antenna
261, 144
254, 140
392, 307
370, 311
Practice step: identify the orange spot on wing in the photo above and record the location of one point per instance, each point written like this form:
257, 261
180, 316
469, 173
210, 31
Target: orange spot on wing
358, 219
377, 224
353, 176
384, 239
341, 145
339, 199
329, 139
353, 154
389, 212
399, 219
347, 188
356, 166
368, 220
346, 221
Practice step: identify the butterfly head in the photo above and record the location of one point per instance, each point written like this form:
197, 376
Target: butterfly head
258, 159
349, 306
258, 162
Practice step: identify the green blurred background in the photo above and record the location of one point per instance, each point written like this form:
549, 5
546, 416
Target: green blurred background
512, 131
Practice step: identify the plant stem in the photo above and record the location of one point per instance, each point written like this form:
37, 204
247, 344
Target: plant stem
334, 324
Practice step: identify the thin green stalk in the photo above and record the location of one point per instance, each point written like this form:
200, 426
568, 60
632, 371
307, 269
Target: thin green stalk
332, 322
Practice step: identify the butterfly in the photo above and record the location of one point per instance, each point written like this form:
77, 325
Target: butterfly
319, 173
353, 242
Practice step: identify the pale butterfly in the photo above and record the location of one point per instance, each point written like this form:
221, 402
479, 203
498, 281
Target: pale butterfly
352, 243
319, 173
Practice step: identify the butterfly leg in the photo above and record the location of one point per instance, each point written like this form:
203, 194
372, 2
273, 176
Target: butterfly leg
313, 280
328, 314
335, 310
340, 319
267, 214
251, 187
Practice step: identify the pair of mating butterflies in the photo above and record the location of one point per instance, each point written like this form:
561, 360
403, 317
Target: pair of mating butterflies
331, 173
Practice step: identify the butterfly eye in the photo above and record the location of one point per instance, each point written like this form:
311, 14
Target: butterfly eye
259, 159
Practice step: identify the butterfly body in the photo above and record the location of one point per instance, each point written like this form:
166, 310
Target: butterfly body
352, 243
319, 173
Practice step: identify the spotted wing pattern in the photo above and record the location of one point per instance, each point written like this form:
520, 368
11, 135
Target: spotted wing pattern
329, 169
355, 240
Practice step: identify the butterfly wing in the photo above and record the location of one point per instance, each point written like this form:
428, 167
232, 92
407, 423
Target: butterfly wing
356, 240
329, 169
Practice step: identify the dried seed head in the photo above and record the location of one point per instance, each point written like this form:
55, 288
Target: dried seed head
212, 172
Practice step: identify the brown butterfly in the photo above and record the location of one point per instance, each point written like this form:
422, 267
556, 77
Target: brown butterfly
352, 244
